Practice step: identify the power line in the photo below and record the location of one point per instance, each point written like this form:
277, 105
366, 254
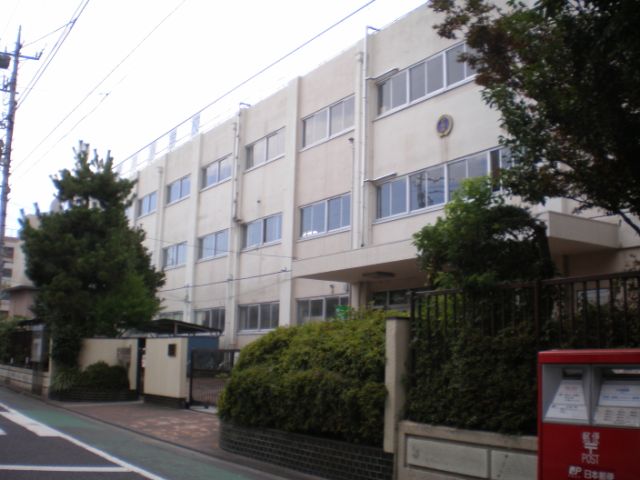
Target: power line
222, 282
124, 59
56, 48
252, 77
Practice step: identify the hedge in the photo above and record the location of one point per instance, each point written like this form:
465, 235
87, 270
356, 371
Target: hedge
324, 378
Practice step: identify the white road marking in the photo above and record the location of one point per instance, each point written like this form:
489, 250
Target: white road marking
30, 424
55, 468
126, 467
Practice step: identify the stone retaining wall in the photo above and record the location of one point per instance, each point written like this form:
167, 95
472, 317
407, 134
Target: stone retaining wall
316, 456
27, 379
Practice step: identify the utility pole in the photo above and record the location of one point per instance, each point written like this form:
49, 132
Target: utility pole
8, 123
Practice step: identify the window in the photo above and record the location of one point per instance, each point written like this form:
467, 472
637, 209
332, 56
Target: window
436, 185
6, 273
325, 216
171, 316
314, 309
392, 198
213, 245
178, 189
175, 255
440, 71
212, 318
266, 149
328, 122
216, 172
264, 230
8, 252
392, 300
426, 188
147, 204
259, 316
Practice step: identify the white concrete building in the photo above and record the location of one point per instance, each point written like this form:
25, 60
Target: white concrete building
309, 199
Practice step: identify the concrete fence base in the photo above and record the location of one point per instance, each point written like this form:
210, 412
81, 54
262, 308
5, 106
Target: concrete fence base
26, 379
428, 452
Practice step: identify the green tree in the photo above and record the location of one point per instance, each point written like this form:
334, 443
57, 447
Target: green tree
93, 274
483, 241
565, 76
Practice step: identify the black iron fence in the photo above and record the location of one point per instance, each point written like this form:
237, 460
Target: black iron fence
209, 370
579, 312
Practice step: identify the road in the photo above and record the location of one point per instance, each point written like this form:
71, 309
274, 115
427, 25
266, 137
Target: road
39, 441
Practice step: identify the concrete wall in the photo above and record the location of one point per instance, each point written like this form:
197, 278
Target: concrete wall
106, 350
25, 379
427, 452
165, 375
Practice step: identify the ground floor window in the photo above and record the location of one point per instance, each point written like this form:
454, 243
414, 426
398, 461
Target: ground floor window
212, 318
258, 316
324, 308
391, 300
171, 316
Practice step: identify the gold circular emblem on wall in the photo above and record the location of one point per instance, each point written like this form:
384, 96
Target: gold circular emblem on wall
444, 125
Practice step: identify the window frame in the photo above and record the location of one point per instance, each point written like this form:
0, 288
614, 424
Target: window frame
387, 103
268, 156
263, 325
495, 159
326, 214
328, 120
179, 248
217, 164
300, 320
216, 236
183, 192
262, 225
220, 320
140, 211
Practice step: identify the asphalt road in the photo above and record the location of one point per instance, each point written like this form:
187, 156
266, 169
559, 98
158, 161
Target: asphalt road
39, 441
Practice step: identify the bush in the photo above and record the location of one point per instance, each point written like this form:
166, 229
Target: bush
467, 379
97, 376
322, 378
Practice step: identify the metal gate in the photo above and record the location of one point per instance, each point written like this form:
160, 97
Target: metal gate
208, 371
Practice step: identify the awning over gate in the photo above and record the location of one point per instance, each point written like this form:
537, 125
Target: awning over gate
170, 327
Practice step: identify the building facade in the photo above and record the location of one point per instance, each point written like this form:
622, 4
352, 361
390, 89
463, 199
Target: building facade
308, 200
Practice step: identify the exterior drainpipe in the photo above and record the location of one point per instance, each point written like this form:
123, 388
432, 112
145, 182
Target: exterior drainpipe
234, 243
364, 136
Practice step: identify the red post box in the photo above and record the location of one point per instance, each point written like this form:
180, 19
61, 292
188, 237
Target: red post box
589, 415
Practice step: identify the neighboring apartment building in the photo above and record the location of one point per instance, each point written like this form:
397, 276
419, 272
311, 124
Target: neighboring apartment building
18, 292
309, 199
8, 258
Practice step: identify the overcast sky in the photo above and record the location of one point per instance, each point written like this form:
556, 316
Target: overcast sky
130, 70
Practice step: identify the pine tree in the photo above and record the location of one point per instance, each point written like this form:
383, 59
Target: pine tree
93, 274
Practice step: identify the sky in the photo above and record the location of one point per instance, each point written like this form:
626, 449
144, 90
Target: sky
127, 72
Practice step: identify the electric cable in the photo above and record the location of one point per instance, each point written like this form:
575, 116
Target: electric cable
54, 51
72, 111
252, 77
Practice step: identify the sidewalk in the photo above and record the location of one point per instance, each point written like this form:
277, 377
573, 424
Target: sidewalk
196, 429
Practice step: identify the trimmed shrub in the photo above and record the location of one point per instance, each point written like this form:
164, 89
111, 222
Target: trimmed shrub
98, 376
467, 379
323, 378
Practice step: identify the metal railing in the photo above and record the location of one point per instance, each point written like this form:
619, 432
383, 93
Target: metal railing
579, 312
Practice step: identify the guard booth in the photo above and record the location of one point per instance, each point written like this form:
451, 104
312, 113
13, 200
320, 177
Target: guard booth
589, 415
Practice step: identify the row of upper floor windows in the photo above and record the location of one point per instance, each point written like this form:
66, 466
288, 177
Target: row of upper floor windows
427, 188
434, 186
431, 76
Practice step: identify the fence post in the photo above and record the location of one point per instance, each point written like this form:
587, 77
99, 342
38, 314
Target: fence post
397, 355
